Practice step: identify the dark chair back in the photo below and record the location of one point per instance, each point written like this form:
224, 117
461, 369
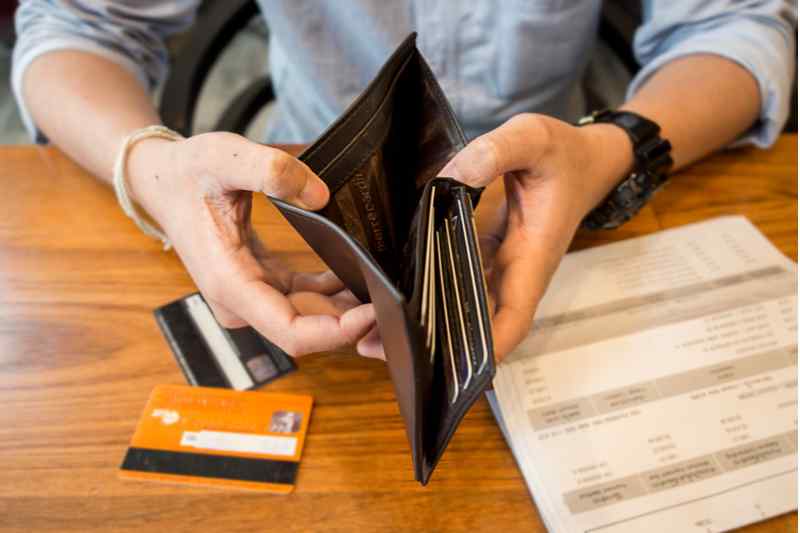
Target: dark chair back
216, 26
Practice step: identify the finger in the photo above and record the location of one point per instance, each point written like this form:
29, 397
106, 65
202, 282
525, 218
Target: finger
491, 220
240, 164
313, 303
275, 316
516, 296
522, 270
322, 282
491, 212
345, 300
492, 304
325, 282
371, 345
515, 145
276, 272
358, 321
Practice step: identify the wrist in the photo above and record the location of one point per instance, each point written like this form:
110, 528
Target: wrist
611, 160
147, 161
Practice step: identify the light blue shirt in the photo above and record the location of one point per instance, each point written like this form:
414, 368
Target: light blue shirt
494, 58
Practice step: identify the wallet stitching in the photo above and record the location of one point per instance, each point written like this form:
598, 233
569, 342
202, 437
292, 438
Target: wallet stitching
358, 165
360, 132
437, 94
333, 132
327, 140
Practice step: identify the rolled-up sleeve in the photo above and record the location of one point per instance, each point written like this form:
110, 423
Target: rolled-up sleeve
758, 35
131, 34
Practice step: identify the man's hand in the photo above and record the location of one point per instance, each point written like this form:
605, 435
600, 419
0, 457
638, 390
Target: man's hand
554, 174
200, 191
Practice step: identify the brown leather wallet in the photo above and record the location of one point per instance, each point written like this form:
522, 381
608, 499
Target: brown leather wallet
401, 237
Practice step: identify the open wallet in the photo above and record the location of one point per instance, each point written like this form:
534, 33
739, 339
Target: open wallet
401, 237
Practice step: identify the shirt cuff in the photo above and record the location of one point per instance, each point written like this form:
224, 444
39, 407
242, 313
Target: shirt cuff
22, 62
760, 50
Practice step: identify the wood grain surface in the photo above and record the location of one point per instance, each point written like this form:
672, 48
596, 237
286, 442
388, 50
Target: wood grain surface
80, 353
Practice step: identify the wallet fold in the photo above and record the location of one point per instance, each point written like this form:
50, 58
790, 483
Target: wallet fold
401, 237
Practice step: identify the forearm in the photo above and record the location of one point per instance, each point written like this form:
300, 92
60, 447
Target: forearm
702, 103
86, 105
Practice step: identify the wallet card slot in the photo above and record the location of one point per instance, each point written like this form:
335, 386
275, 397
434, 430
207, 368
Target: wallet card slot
426, 286
388, 145
413, 256
465, 362
448, 419
476, 325
362, 181
448, 347
477, 279
428, 307
381, 159
456, 303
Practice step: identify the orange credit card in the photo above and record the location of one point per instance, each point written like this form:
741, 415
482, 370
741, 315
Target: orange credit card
220, 437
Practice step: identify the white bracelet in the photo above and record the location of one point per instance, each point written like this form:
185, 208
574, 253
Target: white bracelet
120, 179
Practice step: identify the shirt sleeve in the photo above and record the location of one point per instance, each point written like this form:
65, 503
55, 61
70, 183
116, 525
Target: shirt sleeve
758, 35
131, 34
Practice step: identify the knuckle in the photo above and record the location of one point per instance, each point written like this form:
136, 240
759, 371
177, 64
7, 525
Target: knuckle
522, 119
488, 153
538, 131
281, 335
544, 130
539, 125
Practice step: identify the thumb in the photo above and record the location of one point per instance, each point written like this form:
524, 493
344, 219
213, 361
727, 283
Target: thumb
243, 165
287, 178
515, 145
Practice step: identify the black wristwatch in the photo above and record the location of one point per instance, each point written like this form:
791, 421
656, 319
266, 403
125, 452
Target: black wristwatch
652, 161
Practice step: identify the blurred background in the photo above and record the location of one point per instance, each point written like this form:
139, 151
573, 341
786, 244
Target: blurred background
239, 64
11, 130
219, 78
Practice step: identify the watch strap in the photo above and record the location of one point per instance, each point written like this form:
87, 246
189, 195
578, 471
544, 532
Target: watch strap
652, 161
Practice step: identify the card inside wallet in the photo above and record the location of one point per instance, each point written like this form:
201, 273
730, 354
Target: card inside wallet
401, 237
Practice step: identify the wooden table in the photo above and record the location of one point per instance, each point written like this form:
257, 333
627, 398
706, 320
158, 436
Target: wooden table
80, 353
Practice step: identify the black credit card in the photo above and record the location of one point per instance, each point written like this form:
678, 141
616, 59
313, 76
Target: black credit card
212, 356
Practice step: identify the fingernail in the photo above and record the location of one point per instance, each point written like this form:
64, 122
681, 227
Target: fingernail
371, 348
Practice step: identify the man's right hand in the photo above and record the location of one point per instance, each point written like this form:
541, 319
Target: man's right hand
199, 191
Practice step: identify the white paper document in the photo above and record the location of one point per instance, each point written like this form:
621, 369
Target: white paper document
657, 388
